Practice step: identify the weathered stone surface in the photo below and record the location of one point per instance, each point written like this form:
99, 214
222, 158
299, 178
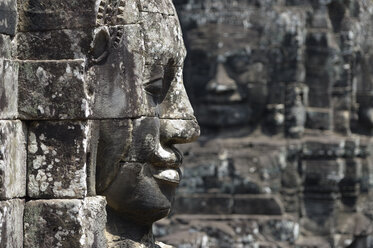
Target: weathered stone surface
262, 72
118, 12
7, 47
54, 45
59, 90
9, 89
65, 223
120, 92
227, 230
144, 143
8, 17
157, 6
319, 215
176, 103
319, 118
323, 175
111, 150
41, 15
59, 158
257, 204
204, 204
11, 223
13, 155
158, 27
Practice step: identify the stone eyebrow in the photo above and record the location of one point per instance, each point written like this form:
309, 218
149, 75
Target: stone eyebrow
110, 12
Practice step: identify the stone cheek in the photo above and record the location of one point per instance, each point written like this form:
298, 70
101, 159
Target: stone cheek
12, 159
65, 223
176, 104
11, 223
123, 96
59, 159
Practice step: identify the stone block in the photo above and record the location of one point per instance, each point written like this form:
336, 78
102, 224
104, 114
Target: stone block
8, 17
319, 97
54, 45
13, 157
257, 205
281, 229
323, 175
319, 118
350, 185
42, 15
65, 223
8, 89
342, 98
291, 72
7, 47
60, 158
367, 175
319, 215
342, 122
325, 147
203, 204
312, 242
11, 223
321, 41
276, 93
290, 199
352, 147
59, 90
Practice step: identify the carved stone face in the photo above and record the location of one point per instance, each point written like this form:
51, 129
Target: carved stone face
141, 96
226, 74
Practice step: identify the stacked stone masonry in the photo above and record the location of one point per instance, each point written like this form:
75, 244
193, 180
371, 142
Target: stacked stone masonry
54, 98
282, 91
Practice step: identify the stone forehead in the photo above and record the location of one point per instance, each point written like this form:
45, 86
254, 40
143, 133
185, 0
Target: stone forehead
159, 23
50, 20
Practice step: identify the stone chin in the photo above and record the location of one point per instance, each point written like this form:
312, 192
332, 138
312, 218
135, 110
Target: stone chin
135, 194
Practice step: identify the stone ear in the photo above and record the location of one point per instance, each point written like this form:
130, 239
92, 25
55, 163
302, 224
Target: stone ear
100, 46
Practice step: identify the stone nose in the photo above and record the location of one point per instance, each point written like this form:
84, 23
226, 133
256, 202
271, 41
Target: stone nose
221, 83
174, 132
178, 131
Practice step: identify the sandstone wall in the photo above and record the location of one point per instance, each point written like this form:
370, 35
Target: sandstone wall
47, 139
283, 92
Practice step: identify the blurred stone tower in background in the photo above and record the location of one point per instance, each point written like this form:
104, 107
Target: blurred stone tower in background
283, 91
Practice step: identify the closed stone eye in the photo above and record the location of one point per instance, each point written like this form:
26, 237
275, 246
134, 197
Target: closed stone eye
155, 87
100, 46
